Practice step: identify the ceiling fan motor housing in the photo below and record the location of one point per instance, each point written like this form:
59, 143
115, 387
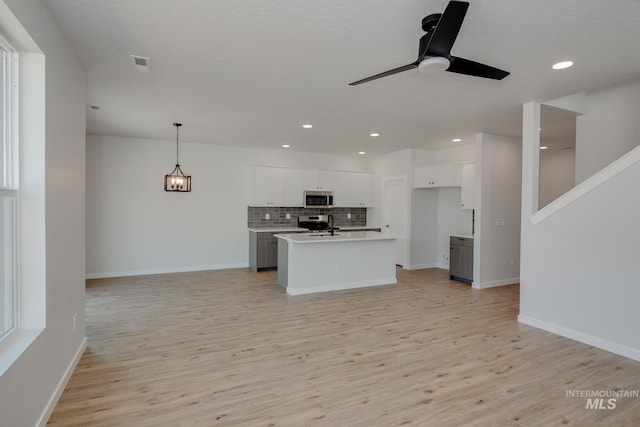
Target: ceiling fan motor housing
429, 22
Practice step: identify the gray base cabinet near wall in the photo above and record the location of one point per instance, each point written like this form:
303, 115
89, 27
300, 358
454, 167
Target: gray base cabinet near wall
461, 259
263, 251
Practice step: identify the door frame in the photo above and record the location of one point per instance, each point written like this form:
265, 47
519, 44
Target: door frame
403, 179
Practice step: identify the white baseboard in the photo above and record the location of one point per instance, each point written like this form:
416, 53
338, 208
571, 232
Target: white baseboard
106, 275
631, 353
342, 286
51, 405
495, 283
421, 266
443, 265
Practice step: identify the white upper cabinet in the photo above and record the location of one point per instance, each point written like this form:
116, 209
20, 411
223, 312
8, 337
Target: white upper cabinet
318, 179
353, 189
368, 190
268, 188
361, 189
283, 186
440, 175
325, 179
342, 189
293, 187
467, 193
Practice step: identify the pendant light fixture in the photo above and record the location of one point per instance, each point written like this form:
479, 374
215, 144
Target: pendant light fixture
176, 180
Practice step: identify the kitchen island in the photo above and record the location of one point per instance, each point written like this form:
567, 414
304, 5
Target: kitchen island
320, 262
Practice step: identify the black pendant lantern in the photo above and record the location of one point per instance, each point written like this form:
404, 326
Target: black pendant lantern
176, 180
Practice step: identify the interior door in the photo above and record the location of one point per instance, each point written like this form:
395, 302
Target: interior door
393, 214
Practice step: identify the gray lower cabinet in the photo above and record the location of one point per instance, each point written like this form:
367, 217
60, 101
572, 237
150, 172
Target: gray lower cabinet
461, 259
263, 251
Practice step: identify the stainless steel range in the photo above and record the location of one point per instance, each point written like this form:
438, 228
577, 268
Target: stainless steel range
316, 223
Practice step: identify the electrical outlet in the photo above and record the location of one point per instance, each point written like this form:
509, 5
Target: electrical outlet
288, 216
349, 215
267, 216
445, 257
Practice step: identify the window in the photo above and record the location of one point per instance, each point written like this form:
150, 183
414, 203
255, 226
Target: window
8, 189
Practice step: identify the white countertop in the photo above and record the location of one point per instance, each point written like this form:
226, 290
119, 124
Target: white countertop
277, 229
348, 236
355, 227
299, 229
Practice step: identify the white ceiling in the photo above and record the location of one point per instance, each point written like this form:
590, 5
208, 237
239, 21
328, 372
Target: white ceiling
251, 72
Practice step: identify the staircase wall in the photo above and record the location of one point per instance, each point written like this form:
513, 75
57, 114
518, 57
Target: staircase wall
580, 260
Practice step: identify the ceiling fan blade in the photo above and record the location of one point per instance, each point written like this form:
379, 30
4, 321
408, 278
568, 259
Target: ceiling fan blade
445, 33
386, 73
472, 68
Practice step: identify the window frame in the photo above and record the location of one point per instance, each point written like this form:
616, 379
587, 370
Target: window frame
9, 183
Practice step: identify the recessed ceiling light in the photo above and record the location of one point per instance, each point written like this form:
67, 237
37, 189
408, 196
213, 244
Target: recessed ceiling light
307, 126
285, 146
562, 65
374, 134
544, 147
456, 140
361, 152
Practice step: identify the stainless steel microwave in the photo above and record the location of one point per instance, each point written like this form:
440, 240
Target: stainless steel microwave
318, 199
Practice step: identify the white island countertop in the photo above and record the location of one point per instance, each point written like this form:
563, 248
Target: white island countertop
319, 262
339, 236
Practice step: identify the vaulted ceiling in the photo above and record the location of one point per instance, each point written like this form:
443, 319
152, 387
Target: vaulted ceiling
251, 73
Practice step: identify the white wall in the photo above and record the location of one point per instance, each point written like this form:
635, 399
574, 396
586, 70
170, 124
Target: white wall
580, 255
609, 129
55, 193
498, 194
557, 174
135, 227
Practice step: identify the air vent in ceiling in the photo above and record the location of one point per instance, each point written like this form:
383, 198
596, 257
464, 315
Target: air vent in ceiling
142, 64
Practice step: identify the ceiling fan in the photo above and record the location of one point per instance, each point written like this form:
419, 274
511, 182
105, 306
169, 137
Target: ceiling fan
434, 52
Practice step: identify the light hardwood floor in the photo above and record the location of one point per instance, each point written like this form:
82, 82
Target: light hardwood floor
231, 348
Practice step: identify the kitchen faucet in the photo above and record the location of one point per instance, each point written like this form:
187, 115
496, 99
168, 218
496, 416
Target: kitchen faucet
331, 230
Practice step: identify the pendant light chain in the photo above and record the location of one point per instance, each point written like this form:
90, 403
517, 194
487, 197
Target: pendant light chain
177, 125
